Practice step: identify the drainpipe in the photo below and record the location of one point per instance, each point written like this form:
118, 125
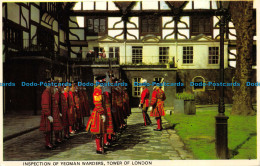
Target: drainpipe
125, 51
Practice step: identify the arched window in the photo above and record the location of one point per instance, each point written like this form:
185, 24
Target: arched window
198, 83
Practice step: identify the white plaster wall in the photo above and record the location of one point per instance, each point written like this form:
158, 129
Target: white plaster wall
114, 33
78, 32
62, 36
55, 26
46, 25
200, 56
25, 21
88, 5
128, 54
133, 32
56, 40
72, 24
33, 33
3, 11
26, 39
75, 49
133, 20
113, 20
150, 54
35, 14
167, 19
11, 15
166, 32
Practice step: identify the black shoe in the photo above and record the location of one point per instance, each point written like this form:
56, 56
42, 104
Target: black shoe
54, 146
49, 147
107, 144
99, 152
58, 142
157, 129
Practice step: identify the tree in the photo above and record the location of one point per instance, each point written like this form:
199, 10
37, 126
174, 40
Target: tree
243, 19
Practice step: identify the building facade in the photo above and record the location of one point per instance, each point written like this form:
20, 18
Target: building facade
170, 41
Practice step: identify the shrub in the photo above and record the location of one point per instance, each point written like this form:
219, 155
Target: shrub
185, 96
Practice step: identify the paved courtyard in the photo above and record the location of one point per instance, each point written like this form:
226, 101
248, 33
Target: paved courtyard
137, 142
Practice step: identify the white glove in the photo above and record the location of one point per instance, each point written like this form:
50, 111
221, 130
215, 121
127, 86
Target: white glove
50, 118
103, 117
60, 115
139, 105
150, 108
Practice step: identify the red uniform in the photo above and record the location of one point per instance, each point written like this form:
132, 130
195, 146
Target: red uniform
157, 102
64, 107
46, 111
109, 120
145, 97
109, 128
45, 124
70, 113
50, 108
126, 103
78, 105
145, 102
94, 122
57, 122
115, 112
65, 118
119, 104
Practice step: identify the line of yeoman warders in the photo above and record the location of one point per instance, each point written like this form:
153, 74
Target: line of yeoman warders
64, 108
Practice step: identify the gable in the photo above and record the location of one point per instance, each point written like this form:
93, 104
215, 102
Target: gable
150, 38
107, 39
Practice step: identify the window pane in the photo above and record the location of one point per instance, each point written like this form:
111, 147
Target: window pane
96, 25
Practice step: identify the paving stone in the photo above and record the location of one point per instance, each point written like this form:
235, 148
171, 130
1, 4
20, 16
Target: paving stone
136, 143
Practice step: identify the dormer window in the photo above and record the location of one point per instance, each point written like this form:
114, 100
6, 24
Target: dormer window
201, 25
150, 25
96, 26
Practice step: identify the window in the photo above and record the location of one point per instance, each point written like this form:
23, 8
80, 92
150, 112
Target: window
163, 54
137, 55
198, 83
97, 50
113, 52
14, 37
201, 24
96, 25
187, 55
160, 79
45, 39
150, 25
136, 90
213, 55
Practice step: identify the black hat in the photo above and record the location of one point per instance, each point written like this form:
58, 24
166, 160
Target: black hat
112, 76
75, 83
116, 80
101, 78
48, 80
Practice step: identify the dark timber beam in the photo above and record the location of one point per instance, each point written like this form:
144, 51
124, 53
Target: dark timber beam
140, 13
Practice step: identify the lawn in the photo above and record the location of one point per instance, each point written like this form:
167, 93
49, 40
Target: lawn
198, 133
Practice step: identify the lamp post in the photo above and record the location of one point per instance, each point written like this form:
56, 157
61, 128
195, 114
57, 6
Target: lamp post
221, 131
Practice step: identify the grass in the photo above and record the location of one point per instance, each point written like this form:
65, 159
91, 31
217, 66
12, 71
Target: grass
198, 133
